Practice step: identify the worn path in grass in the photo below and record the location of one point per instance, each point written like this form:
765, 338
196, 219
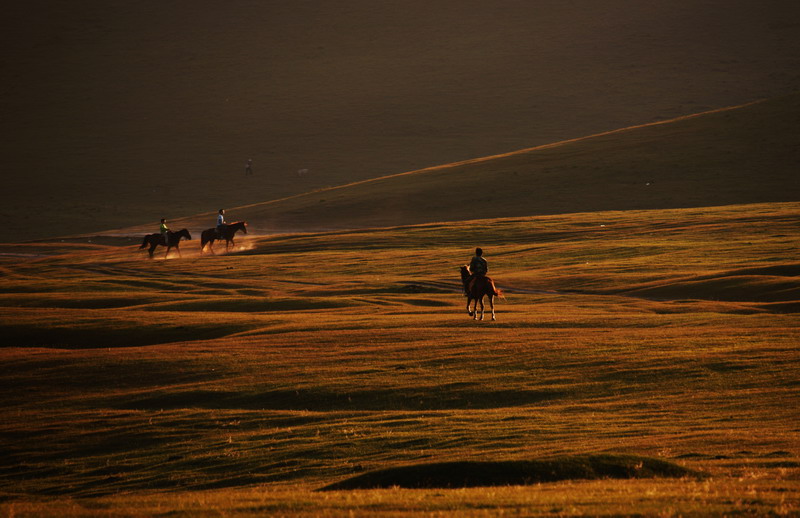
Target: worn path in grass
304, 359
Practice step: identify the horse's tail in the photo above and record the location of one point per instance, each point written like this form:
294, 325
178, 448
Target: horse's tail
144, 243
497, 292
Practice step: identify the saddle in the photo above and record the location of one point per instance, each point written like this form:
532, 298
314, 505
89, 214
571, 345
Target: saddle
471, 282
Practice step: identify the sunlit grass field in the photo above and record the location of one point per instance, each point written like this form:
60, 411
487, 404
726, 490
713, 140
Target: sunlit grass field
240, 384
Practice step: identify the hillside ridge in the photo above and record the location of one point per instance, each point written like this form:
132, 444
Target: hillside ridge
727, 156
489, 158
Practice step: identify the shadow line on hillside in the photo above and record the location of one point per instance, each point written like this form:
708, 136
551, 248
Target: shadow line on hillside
324, 400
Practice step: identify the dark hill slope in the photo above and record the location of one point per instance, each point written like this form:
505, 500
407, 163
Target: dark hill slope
119, 113
742, 155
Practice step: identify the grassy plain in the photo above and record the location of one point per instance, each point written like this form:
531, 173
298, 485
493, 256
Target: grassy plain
239, 384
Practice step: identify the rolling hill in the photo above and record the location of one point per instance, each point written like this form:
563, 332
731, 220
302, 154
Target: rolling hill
746, 154
119, 114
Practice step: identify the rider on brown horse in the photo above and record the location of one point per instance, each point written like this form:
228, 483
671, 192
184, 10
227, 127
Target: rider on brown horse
478, 285
478, 267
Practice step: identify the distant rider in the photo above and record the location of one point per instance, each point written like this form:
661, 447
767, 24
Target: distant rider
220, 223
164, 229
477, 268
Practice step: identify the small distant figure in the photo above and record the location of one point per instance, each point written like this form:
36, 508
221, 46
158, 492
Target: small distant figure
301, 173
220, 222
164, 230
478, 267
248, 167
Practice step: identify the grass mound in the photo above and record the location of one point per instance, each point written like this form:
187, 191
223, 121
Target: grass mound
510, 473
771, 284
733, 289
88, 329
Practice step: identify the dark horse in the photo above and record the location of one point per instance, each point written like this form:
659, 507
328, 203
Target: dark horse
483, 286
228, 231
157, 239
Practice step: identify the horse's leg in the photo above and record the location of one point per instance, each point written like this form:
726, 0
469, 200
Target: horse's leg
481, 299
178, 248
166, 254
469, 312
152, 250
491, 305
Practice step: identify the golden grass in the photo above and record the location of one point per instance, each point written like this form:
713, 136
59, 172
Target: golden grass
235, 385
747, 495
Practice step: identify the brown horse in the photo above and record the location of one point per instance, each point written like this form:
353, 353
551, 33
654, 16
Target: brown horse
157, 239
481, 287
228, 231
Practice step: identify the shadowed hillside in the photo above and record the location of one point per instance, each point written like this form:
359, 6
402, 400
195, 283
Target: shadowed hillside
119, 114
742, 155
472, 474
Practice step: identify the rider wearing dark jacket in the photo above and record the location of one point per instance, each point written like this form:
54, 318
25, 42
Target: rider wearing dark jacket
478, 267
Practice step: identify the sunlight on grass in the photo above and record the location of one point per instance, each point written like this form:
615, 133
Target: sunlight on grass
236, 385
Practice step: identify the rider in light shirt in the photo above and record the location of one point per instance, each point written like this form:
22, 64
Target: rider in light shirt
220, 222
164, 229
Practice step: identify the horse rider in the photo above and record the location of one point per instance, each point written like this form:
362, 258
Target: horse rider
164, 229
220, 223
477, 268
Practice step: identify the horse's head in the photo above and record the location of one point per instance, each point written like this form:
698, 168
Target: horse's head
185, 234
236, 226
464, 273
